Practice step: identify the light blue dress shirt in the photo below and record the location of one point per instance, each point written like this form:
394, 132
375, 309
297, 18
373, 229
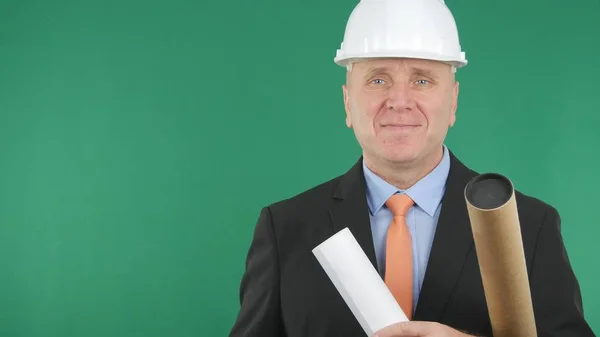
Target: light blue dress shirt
422, 218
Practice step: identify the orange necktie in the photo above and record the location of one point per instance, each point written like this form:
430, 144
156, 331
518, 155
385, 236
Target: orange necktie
398, 259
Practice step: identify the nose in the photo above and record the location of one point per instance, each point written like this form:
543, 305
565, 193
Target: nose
400, 98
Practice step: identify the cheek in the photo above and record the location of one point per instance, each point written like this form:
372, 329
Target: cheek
426, 112
368, 107
435, 112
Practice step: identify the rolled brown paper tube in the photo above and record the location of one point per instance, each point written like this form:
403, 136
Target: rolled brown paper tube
496, 230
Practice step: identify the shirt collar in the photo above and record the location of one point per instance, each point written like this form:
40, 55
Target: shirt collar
427, 193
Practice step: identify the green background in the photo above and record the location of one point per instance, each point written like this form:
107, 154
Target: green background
139, 140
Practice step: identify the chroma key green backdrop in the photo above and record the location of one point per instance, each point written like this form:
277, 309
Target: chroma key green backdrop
139, 140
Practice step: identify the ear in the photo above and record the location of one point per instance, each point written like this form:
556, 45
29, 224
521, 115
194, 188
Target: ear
347, 106
454, 104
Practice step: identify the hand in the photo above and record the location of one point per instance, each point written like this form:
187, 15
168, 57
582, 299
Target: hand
419, 329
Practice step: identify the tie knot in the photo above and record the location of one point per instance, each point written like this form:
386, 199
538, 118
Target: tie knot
399, 204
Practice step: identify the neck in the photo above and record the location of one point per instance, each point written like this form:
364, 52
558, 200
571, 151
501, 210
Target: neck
404, 175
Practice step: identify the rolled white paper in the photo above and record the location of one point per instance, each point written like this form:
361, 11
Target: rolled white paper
358, 282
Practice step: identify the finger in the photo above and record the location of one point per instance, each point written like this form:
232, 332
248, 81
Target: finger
406, 329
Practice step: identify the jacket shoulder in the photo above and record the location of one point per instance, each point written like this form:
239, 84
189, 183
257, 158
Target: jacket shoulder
533, 207
318, 196
529, 206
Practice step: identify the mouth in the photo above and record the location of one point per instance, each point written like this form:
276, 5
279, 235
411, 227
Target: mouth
401, 126
400, 129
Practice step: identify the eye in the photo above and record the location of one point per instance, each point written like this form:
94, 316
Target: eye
422, 82
377, 81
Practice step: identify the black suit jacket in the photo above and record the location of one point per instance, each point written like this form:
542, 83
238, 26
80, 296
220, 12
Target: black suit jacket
285, 291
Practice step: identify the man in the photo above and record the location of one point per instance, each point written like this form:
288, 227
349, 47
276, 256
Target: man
400, 99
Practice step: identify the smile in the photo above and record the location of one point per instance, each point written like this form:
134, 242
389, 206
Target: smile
401, 126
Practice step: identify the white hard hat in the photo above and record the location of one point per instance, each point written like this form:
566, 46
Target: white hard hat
423, 29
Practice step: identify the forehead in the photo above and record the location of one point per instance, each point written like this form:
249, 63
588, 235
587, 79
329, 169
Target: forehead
405, 65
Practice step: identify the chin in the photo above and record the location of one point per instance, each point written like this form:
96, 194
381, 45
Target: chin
400, 154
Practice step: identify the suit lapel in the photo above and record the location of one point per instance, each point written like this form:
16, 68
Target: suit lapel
350, 210
452, 242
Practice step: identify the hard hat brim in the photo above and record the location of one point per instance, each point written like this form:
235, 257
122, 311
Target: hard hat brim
345, 59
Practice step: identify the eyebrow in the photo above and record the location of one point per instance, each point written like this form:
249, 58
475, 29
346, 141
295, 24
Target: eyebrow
423, 72
413, 70
375, 71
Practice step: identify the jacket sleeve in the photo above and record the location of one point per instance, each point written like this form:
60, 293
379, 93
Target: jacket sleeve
555, 293
259, 314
